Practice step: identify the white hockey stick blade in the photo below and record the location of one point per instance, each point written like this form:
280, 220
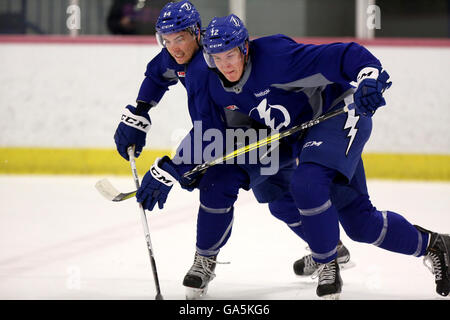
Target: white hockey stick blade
107, 190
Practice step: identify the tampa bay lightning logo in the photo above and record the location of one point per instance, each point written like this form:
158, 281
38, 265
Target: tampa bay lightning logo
186, 6
352, 120
275, 116
235, 21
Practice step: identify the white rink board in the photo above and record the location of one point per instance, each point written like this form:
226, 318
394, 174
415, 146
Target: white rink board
72, 96
59, 239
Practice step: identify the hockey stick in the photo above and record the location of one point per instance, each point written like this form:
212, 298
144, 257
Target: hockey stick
145, 225
107, 190
111, 193
270, 139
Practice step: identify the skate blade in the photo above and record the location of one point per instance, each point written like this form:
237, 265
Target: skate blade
195, 293
346, 265
334, 296
342, 266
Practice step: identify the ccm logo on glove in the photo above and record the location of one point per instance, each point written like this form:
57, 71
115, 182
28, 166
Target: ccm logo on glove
161, 175
135, 121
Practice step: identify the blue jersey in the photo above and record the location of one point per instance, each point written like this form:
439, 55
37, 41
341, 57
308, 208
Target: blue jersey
163, 72
286, 83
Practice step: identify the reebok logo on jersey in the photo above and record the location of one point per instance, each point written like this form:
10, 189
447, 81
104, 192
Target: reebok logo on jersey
312, 144
181, 74
262, 93
232, 107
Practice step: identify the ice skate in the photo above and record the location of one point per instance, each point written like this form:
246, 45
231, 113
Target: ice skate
330, 282
437, 256
198, 277
306, 265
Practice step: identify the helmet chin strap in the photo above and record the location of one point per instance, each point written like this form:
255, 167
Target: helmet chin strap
246, 57
196, 33
198, 36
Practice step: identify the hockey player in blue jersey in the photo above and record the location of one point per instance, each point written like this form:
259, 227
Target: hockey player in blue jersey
181, 59
281, 83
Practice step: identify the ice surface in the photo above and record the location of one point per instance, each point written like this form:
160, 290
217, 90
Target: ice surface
60, 239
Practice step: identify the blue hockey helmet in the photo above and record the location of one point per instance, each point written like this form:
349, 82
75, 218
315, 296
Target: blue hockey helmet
223, 34
176, 17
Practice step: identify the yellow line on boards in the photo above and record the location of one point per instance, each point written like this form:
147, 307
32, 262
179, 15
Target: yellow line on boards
108, 161
72, 161
407, 166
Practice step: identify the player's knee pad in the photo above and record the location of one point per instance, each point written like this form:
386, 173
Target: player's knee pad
284, 209
267, 192
274, 186
310, 185
220, 185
